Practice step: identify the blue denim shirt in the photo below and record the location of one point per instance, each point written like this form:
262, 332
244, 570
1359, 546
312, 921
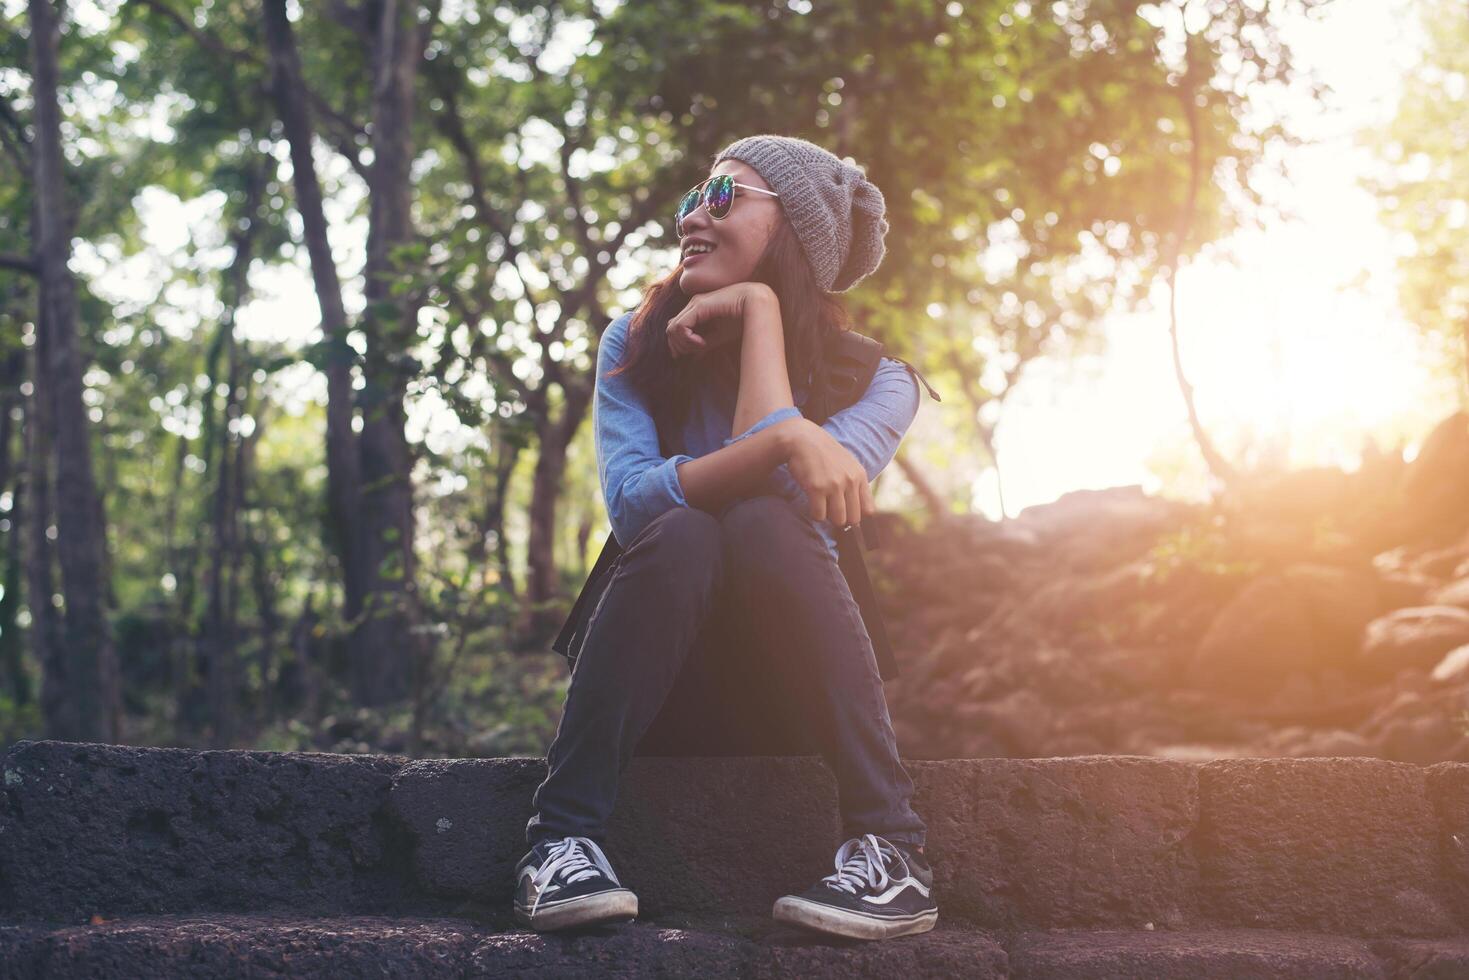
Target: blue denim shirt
639, 483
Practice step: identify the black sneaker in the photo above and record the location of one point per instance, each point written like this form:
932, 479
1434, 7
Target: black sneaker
880, 890
566, 881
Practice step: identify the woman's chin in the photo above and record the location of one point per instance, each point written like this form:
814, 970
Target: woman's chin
692, 281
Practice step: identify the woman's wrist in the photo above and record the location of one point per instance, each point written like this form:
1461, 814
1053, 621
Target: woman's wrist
788, 435
764, 342
757, 295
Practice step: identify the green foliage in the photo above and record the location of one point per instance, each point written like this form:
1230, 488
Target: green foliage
1200, 547
1056, 136
1423, 189
19, 721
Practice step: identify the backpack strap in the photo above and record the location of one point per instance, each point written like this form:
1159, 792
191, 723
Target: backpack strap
848, 363
574, 629
914, 371
841, 376
853, 566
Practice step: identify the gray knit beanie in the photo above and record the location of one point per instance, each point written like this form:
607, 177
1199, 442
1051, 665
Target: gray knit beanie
838, 214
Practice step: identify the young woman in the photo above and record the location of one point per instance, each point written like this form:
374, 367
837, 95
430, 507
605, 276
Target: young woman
727, 624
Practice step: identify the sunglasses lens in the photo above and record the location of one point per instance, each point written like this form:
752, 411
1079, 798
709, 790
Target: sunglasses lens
718, 194
685, 207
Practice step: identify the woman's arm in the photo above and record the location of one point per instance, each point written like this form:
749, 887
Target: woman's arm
870, 429
712, 481
765, 383
775, 435
765, 416
638, 482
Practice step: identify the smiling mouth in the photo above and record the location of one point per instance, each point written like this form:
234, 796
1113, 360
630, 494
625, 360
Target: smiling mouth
694, 256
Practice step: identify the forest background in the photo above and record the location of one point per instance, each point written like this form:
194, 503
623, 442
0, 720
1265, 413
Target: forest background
355, 521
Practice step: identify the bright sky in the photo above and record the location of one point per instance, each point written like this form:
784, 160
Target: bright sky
1279, 351
1283, 357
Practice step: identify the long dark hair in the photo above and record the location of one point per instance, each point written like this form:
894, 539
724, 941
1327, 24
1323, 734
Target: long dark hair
808, 313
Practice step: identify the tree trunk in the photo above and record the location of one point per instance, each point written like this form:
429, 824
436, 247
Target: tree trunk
987, 438
553, 439
217, 635
307, 665
181, 560
507, 453
386, 649
57, 710
545, 491
1219, 468
263, 585
16, 682
247, 701
933, 501
969, 388
503, 472
92, 690
343, 466
583, 539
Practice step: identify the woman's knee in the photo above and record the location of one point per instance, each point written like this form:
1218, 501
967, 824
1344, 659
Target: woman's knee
684, 541
761, 526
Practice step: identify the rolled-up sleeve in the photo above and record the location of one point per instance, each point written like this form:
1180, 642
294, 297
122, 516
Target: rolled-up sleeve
870, 429
778, 415
638, 482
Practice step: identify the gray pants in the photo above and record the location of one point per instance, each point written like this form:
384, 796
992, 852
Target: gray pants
724, 635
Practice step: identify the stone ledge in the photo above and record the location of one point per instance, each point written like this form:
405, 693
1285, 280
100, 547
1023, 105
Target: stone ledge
1226, 954
1350, 846
229, 945
226, 945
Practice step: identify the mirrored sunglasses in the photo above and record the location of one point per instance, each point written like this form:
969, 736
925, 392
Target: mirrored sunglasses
717, 195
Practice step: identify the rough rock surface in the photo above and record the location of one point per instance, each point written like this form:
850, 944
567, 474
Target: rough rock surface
1353, 846
1288, 623
1231, 954
123, 862
1274, 827
166, 830
1415, 637
227, 945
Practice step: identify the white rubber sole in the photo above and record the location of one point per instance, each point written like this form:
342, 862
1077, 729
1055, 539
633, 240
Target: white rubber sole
854, 925
618, 905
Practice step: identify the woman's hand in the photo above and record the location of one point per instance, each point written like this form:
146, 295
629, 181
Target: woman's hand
834, 481
714, 318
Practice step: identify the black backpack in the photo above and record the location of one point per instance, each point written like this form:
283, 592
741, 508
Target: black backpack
840, 379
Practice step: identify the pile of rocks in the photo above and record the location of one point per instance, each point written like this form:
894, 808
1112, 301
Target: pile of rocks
1314, 613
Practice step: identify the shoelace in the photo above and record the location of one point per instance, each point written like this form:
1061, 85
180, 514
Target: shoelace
861, 861
569, 856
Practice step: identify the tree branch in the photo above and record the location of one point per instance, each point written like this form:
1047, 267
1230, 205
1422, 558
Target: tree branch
1218, 466
14, 137
19, 263
343, 131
